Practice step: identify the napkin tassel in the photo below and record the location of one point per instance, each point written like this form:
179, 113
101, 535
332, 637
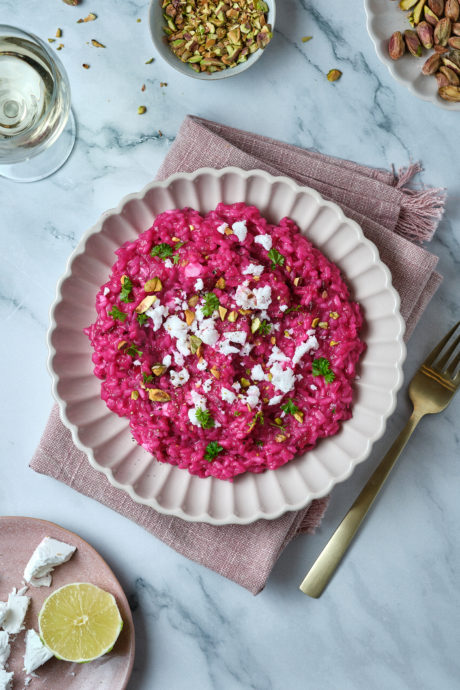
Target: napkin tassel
421, 209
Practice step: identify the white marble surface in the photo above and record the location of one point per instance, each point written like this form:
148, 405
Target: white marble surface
390, 618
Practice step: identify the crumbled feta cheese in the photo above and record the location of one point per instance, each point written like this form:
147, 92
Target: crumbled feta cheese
167, 360
221, 228
258, 298
240, 229
276, 355
283, 307
184, 350
207, 385
199, 403
168, 263
106, 291
199, 316
313, 387
236, 386
264, 240
283, 414
176, 327
298, 377
36, 653
276, 399
207, 332
17, 606
236, 336
6, 679
228, 396
253, 269
199, 285
257, 373
226, 348
307, 346
178, 358
263, 296
202, 364
48, 554
137, 363
178, 378
246, 349
282, 379
157, 314
252, 396
4, 648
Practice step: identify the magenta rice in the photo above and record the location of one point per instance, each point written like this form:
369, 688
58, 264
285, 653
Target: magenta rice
230, 344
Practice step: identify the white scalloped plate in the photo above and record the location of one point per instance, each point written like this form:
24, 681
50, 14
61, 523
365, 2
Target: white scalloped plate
384, 18
106, 438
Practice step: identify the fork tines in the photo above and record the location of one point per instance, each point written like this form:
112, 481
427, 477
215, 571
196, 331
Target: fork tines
445, 358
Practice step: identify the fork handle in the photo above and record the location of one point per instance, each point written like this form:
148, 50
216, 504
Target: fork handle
330, 557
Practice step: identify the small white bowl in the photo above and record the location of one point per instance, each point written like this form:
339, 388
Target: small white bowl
156, 23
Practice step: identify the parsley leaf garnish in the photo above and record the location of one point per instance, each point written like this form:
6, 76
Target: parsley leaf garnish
211, 303
133, 351
322, 367
176, 258
163, 250
142, 318
259, 443
265, 327
276, 258
147, 378
204, 418
115, 313
297, 308
290, 407
178, 245
125, 294
212, 450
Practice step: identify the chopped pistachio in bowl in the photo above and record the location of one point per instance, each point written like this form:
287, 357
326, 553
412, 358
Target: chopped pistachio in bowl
211, 39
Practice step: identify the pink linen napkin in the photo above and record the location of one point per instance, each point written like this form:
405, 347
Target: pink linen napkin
392, 215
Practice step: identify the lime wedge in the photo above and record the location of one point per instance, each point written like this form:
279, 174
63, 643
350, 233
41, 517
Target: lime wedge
79, 622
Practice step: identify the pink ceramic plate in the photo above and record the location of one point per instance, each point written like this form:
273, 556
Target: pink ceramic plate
18, 538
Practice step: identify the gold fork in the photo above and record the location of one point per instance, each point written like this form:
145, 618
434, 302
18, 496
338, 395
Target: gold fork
430, 391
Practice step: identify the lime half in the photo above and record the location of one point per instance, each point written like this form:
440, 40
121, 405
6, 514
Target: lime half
79, 622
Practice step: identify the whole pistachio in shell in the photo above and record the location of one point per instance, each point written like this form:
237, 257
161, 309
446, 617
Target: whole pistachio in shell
454, 42
432, 65
450, 93
451, 76
442, 79
456, 29
396, 46
436, 6
425, 34
412, 42
452, 10
442, 31
430, 16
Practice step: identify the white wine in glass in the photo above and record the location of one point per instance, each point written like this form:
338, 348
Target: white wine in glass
37, 128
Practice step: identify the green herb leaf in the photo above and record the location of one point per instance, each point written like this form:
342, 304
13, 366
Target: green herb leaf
125, 294
212, 450
276, 258
236, 413
133, 351
163, 250
297, 308
289, 407
142, 318
259, 443
175, 259
322, 367
147, 378
211, 303
115, 313
265, 327
178, 245
204, 418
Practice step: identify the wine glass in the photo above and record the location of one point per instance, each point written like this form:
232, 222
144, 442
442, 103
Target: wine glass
37, 127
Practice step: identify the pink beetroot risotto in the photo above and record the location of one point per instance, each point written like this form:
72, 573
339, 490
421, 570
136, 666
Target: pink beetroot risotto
230, 344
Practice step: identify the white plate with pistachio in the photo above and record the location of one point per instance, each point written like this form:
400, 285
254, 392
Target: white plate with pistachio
424, 56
